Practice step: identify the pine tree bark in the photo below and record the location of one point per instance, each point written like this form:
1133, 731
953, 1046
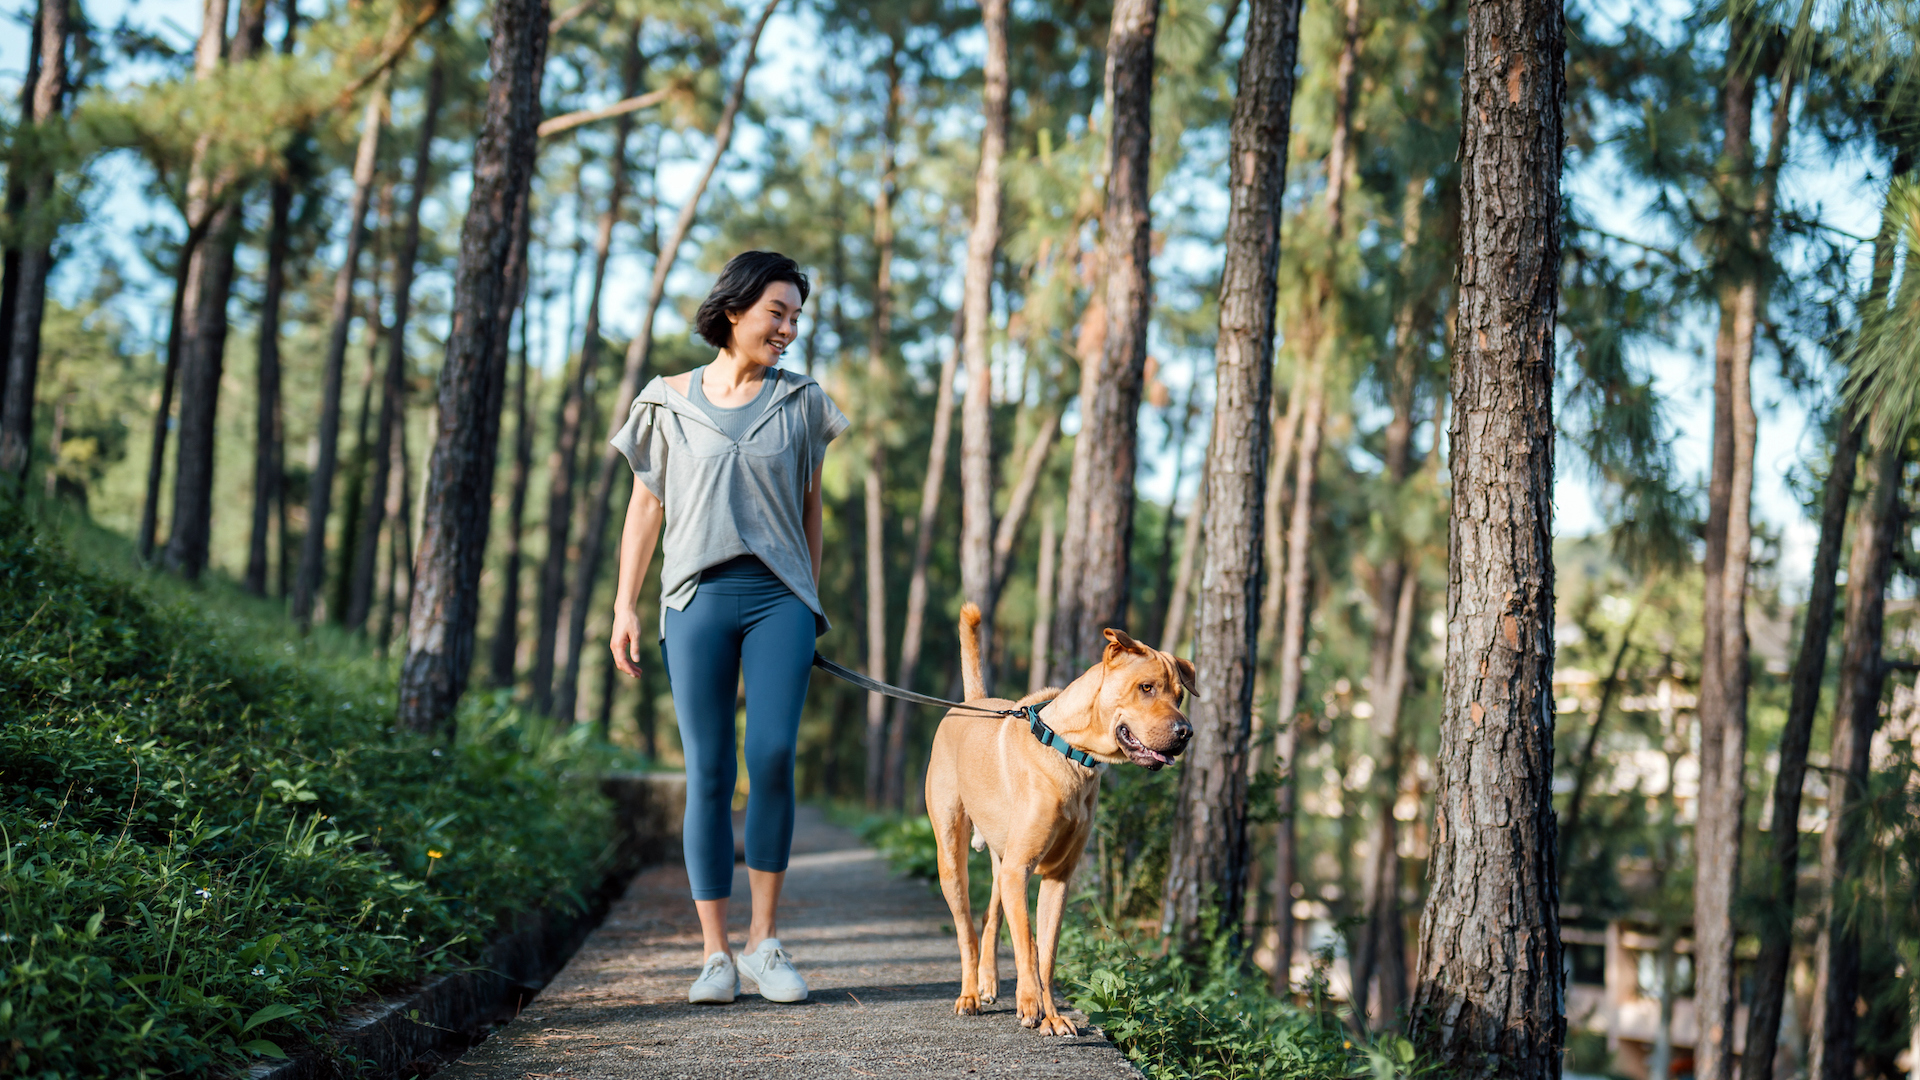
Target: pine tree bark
976, 415
269, 430
577, 415
446, 595
313, 547
506, 628
1209, 862
930, 488
1042, 604
354, 475
1020, 502
1782, 871
640, 351
1724, 655
16, 192
1490, 998
169, 377
393, 385
885, 786
204, 339
1832, 1046
1809, 670
1094, 553
1174, 630
35, 259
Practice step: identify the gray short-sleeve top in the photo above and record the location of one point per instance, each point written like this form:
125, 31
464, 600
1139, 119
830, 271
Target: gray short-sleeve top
728, 497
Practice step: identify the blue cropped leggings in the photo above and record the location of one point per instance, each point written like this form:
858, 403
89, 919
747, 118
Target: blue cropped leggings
741, 619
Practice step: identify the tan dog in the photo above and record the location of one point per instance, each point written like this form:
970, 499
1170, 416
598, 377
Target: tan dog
990, 778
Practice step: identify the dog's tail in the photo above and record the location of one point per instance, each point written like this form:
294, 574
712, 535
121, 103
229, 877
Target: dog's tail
970, 677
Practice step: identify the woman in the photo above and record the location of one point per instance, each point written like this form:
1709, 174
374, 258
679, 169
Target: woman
729, 455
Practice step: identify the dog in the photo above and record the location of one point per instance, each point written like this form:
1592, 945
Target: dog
990, 780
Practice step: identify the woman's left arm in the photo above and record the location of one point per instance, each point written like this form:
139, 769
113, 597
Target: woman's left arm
810, 523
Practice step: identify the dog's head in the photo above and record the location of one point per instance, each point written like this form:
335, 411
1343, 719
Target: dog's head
1140, 693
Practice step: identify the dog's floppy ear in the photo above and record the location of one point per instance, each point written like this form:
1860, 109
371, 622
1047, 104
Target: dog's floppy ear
1120, 640
1184, 669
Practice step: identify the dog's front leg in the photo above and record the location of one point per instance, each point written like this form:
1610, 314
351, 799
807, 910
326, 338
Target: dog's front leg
1048, 912
990, 941
1013, 902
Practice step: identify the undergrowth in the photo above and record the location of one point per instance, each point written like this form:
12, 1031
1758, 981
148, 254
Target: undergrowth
212, 845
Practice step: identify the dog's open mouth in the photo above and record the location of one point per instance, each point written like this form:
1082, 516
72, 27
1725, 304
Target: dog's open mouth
1140, 753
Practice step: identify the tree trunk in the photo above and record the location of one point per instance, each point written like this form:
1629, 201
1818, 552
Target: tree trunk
269, 430
354, 485
1856, 712
1490, 998
190, 272
576, 416
269, 434
313, 548
506, 629
1782, 870
203, 340
400, 533
1020, 502
916, 616
1382, 947
393, 387
459, 489
1094, 554
1290, 645
1208, 863
1042, 604
976, 415
16, 191
1175, 628
885, 786
1166, 561
599, 505
1724, 655
35, 260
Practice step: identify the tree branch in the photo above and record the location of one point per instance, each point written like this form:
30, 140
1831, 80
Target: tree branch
392, 55
568, 121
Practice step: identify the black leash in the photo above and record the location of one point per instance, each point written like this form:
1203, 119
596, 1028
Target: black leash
1046, 735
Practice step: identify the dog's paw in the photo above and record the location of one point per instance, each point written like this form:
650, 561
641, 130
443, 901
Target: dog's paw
1026, 1005
989, 993
1057, 1025
967, 1005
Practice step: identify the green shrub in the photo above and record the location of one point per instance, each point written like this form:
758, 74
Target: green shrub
212, 846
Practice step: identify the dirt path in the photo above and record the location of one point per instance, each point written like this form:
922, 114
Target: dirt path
877, 951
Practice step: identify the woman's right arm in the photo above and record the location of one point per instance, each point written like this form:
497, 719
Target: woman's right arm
637, 540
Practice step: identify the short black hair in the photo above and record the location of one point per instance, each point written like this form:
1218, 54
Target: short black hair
741, 282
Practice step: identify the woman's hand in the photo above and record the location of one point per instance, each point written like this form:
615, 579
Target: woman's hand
626, 642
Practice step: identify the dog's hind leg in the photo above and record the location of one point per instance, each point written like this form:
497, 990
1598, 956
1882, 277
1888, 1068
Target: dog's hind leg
950, 829
990, 942
1048, 913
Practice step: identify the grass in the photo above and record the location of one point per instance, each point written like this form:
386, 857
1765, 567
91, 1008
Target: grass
215, 839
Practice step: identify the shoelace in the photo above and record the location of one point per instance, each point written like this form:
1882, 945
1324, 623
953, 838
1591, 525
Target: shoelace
778, 956
714, 968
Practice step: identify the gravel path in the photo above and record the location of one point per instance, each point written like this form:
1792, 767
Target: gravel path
877, 951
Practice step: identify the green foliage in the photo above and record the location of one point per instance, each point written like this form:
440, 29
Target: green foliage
212, 848
1179, 1018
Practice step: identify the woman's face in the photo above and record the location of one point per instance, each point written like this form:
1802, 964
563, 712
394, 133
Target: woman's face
762, 332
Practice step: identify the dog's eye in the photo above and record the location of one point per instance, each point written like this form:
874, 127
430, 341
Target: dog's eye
1147, 688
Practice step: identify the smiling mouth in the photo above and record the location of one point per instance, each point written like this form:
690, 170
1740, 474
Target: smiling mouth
1140, 753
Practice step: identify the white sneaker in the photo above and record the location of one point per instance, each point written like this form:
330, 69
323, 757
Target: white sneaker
718, 984
771, 969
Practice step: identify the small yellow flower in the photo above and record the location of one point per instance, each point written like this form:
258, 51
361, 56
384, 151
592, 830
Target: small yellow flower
1348, 1045
434, 853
